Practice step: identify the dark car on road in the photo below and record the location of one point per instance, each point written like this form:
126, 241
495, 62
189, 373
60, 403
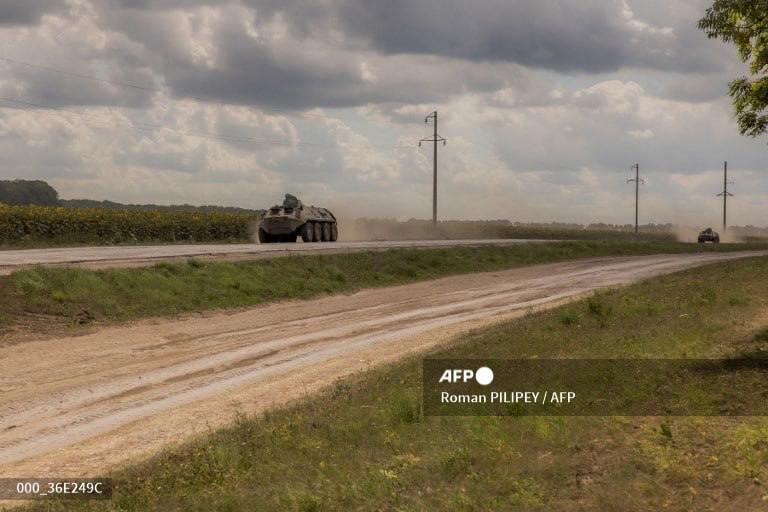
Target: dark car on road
709, 236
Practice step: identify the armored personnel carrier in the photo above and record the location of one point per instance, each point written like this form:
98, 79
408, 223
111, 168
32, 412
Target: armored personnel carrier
709, 236
286, 222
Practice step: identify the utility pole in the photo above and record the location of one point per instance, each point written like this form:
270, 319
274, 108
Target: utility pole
725, 195
435, 139
637, 182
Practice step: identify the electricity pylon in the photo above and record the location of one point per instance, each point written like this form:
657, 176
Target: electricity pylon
725, 194
637, 180
435, 139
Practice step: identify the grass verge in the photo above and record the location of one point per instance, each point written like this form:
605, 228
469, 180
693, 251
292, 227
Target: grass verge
364, 444
52, 297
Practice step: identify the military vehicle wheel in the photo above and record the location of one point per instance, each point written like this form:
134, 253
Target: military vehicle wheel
318, 236
326, 231
334, 232
307, 232
264, 237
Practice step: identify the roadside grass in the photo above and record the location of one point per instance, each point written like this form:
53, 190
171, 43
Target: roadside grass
364, 444
360, 229
55, 297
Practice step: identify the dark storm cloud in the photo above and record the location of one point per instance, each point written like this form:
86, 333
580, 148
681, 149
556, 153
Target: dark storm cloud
344, 53
546, 33
290, 70
164, 4
252, 71
590, 36
26, 12
317, 61
44, 87
242, 69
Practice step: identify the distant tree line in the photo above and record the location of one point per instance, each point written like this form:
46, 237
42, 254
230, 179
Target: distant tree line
111, 205
27, 192
40, 193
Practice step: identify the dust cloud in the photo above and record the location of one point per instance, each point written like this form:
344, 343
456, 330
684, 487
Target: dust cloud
353, 228
733, 235
386, 229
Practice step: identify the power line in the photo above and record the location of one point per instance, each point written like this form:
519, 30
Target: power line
434, 140
637, 180
725, 194
77, 75
146, 127
156, 90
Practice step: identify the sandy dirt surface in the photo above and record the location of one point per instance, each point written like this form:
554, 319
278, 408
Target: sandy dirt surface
81, 405
104, 257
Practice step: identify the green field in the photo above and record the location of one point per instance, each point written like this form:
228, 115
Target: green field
364, 444
50, 298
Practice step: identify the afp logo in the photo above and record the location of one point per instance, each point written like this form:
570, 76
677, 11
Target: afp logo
483, 375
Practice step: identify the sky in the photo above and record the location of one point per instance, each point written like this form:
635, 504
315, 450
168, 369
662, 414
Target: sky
545, 105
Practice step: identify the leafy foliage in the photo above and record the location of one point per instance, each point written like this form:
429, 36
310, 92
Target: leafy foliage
745, 24
20, 224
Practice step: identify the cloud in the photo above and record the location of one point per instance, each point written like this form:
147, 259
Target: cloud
27, 12
337, 53
641, 134
589, 36
234, 54
544, 104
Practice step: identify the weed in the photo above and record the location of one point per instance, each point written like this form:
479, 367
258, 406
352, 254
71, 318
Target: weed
570, 318
456, 462
708, 296
193, 263
58, 296
597, 306
405, 410
762, 334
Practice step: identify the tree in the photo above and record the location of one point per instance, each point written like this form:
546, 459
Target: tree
745, 24
22, 192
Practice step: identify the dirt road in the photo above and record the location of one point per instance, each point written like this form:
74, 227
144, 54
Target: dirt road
146, 255
80, 405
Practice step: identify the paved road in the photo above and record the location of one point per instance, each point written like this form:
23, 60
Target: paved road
145, 255
80, 404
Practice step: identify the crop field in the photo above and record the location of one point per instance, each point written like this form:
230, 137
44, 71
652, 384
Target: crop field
44, 225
